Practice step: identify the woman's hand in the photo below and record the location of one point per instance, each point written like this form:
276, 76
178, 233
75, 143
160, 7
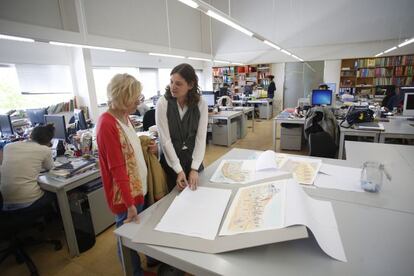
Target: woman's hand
181, 180
132, 215
153, 147
193, 179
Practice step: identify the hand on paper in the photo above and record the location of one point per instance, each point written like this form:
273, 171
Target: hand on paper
132, 215
193, 179
181, 180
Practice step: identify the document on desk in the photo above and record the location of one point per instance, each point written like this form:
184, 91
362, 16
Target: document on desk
280, 204
266, 166
304, 170
339, 177
196, 213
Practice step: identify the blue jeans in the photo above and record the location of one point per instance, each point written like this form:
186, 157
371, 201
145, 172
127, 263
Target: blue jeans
135, 260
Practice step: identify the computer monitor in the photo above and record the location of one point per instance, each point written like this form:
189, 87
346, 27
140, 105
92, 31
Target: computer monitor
209, 97
80, 119
36, 116
6, 126
60, 126
408, 104
321, 97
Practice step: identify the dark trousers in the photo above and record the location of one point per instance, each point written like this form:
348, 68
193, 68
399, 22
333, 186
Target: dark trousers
43, 206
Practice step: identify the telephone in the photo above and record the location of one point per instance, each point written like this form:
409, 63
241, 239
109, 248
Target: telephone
358, 114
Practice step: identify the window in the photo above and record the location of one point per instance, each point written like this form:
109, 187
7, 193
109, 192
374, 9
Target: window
163, 79
103, 75
32, 86
149, 80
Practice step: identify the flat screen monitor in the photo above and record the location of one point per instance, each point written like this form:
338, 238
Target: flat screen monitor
36, 116
321, 97
80, 119
408, 104
60, 126
6, 126
209, 97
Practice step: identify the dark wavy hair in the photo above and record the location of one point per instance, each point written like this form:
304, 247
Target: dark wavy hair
43, 134
187, 72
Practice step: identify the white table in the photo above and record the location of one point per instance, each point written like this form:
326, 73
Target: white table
246, 110
228, 116
377, 241
266, 103
397, 128
61, 188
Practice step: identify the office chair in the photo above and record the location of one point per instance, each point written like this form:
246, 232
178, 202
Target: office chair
148, 120
321, 144
12, 223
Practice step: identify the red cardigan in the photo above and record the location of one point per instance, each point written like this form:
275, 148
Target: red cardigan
113, 165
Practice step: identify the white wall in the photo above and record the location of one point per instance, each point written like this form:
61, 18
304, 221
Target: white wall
331, 72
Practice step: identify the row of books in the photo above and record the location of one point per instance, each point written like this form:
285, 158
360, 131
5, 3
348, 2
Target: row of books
62, 107
403, 81
404, 71
383, 72
366, 62
219, 71
395, 61
365, 73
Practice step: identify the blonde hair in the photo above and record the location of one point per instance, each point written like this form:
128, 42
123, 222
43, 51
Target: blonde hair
122, 90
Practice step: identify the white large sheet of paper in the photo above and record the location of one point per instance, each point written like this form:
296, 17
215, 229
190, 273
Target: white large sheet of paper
242, 172
304, 170
256, 208
196, 213
339, 177
251, 207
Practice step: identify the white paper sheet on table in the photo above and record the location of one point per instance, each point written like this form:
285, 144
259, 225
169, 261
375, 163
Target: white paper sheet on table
196, 213
298, 209
304, 170
242, 172
339, 177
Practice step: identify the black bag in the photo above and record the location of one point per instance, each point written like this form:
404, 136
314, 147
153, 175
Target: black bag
358, 114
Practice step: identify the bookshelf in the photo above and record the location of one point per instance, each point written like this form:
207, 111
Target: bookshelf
242, 74
366, 76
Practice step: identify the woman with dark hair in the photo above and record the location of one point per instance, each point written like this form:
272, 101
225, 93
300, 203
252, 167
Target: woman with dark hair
181, 117
22, 163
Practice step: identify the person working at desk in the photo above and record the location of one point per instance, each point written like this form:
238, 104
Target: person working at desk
122, 165
22, 163
182, 117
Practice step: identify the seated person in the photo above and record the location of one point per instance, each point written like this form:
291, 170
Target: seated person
22, 163
248, 89
395, 101
224, 91
225, 101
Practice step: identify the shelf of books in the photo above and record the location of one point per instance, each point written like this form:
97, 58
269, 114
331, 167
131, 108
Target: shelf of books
364, 76
241, 75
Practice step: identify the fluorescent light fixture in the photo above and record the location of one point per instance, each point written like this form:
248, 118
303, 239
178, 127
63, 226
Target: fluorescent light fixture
390, 49
237, 63
189, 3
86, 46
221, 61
197, 58
380, 54
285, 52
295, 56
165, 55
228, 22
271, 44
301, 59
408, 41
16, 38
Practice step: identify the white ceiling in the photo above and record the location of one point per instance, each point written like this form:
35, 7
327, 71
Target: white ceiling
317, 29
312, 29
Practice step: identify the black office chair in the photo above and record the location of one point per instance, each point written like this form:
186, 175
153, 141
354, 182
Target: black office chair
148, 120
12, 224
321, 144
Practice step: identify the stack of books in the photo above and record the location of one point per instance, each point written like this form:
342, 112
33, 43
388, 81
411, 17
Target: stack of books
72, 168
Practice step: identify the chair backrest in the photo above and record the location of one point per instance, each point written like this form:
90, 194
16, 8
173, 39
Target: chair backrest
149, 119
321, 144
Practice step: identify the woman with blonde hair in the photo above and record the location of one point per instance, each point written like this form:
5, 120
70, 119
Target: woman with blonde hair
122, 165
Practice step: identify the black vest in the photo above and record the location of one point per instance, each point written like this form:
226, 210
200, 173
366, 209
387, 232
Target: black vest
183, 132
